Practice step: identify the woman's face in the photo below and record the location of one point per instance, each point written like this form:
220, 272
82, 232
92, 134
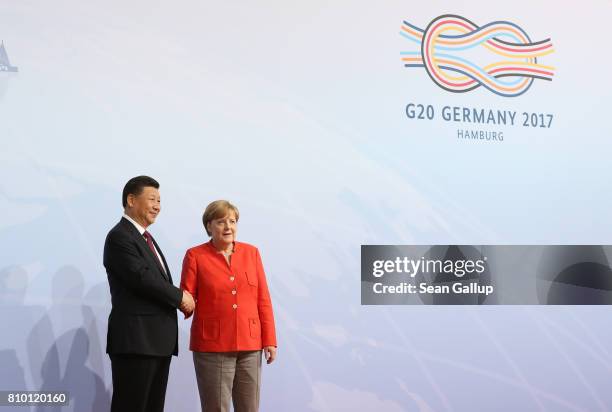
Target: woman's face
223, 230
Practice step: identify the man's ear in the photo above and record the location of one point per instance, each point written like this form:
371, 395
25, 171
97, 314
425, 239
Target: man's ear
130, 200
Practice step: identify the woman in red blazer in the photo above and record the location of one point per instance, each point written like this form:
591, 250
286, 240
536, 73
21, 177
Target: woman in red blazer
233, 319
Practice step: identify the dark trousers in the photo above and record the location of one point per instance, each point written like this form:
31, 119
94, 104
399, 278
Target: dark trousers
139, 382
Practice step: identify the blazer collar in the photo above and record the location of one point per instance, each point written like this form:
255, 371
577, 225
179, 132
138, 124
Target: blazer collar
143, 243
138, 227
212, 248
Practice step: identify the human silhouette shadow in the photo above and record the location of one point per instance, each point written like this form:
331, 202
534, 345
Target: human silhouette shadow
87, 390
17, 320
65, 365
95, 321
12, 377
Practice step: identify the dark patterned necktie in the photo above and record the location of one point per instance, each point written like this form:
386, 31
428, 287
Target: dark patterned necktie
149, 239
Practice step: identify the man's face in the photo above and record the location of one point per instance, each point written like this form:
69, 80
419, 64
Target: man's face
145, 207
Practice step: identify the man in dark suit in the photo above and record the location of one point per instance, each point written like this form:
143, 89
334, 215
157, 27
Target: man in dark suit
142, 326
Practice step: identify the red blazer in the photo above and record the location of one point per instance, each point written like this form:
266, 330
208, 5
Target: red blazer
233, 308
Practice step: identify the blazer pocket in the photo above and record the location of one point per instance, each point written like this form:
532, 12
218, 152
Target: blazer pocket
251, 278
254, 328
210, 329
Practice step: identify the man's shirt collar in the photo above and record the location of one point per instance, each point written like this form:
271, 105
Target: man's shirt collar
141, 229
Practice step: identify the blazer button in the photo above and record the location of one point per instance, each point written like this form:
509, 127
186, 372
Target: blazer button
234, 292
234, 306
232, 278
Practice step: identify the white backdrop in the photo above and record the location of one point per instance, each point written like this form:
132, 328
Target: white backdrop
295, 113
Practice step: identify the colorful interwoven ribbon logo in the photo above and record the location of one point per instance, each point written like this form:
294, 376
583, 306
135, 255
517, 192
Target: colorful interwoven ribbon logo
460, 56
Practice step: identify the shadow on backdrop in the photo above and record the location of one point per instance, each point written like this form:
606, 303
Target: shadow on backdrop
65, 364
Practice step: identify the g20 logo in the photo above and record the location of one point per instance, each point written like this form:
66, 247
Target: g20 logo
460, 56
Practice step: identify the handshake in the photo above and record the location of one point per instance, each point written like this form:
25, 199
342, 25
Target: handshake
187, 304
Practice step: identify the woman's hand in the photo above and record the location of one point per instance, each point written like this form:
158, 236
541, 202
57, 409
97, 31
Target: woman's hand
270, 354
187, 304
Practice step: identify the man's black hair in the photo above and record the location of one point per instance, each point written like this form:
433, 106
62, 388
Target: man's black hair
136, 185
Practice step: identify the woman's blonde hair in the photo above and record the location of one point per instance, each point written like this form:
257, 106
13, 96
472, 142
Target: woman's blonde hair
217, 210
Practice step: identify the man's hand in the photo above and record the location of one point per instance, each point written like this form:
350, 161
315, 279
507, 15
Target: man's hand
187, 304
270, 354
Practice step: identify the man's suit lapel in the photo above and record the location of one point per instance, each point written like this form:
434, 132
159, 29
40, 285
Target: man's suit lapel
142, 243
169, 277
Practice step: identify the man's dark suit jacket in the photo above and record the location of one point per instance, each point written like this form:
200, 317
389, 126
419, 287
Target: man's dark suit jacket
143, 316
